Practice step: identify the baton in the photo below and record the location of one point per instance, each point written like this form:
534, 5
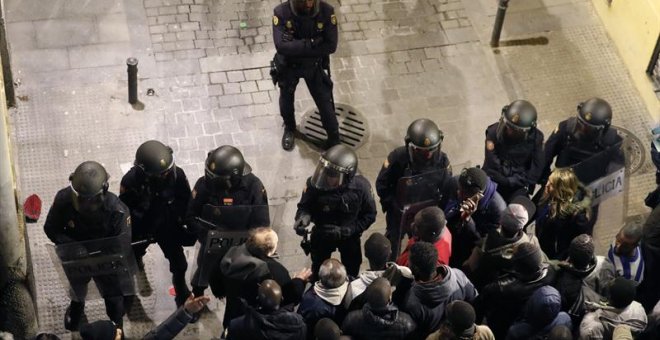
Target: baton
149, 240
207, 223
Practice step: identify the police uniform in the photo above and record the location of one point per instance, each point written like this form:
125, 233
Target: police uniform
158, 210
394, 168
64, 225
250, 191
351, 208
516, 168
304, 44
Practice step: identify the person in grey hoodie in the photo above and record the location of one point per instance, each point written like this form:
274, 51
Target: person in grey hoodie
621, 310
434, 287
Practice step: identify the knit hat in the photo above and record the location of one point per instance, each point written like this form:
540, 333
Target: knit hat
460, 318
622, 292
513, 219
99, 330
581, 251
527, 260
529, 206
473, 178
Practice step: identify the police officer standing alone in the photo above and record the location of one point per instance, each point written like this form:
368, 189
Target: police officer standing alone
228, 181
157, 193
514, 156
422, 154
340, 203
85, 211
587, 143
305, 34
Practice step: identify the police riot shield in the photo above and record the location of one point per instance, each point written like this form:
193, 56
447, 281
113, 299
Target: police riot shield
228, 226
108, 261
427, 186
603, 173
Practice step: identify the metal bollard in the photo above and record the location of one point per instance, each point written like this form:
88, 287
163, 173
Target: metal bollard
131, 64
499, 22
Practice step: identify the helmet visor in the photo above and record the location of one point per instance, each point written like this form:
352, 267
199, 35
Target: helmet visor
219, 183
587, 132
86, 204
304, 7
326, 177
422, 155
510, 132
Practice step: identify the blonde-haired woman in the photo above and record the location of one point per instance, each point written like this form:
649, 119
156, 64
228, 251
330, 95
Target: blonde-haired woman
564, 213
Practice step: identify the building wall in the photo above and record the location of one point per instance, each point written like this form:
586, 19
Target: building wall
634, 26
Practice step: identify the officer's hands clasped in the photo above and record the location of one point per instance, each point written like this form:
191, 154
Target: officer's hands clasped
301, 224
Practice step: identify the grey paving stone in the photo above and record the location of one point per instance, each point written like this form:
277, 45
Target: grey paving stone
41, 60
54, 33
23, 35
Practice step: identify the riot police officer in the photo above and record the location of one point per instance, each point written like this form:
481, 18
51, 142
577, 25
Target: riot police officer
340, 203
157, 193
305, 34
587, 143
421, 155
83, 211
514, 155
228, 181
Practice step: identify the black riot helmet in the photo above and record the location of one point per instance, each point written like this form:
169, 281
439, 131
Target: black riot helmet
309, 8
89, 183
593, 119
423, 142
225, 166
335, 168
154, 159
517, 121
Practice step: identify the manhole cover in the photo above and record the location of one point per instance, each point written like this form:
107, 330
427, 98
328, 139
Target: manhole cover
633, 148
353, 129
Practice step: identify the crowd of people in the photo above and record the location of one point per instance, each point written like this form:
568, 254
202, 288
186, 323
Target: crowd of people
484, 259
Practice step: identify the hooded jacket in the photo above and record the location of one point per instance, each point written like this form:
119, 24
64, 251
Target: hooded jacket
556, 233
319, 302
368, 323
277, 325
426, 301
542, 314
600, 324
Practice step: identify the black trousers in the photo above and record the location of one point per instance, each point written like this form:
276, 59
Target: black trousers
173, 251
350, 250
393, 230
109, 287
320, 87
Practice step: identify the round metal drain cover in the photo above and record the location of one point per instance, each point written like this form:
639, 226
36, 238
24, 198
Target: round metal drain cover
353, 129
633, 148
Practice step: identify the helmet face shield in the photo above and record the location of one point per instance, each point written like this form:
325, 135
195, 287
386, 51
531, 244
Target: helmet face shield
87, 204
304, 7
219, 183
510, 132
587, 132
327, 177
422, 155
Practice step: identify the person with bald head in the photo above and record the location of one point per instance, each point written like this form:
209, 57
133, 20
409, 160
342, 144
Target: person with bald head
269, 320
327, 298
379, 318
245, 266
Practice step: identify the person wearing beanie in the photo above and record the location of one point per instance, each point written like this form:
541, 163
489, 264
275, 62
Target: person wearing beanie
621, 310
474, 209
378, 318
459, 324
583, 278
377, 250
542, 313
493, 258
564, 212
429, 226
502, 301
434, 287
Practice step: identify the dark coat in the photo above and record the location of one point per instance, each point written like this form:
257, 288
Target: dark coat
313, 308
292, 33
281, 324
382, 324
542, 314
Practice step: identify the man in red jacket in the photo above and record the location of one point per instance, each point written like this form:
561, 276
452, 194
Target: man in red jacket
429, 226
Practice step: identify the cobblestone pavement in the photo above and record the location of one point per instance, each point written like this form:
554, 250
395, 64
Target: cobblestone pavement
206, 61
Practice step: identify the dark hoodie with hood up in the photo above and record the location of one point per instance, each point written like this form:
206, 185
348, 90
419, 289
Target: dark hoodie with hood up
426, 301
368, 323
542, 314
281, 324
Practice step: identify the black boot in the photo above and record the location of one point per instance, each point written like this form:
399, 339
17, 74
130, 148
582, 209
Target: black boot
288, 139
333, 139
180, 288
74, 315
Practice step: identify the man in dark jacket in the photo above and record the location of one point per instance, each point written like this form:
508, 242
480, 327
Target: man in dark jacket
269, 320
502, 301
648, 291
379, 318
473, 211
434, 287
83, 212
542, 313
245, 266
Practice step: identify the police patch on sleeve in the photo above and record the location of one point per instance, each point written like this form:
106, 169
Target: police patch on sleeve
333, 19
276, 20
490, 146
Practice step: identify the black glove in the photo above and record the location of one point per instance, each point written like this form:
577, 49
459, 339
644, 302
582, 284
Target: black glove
315, 42
301, 223
287, 37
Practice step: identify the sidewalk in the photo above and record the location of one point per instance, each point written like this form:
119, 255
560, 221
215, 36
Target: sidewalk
207, 62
